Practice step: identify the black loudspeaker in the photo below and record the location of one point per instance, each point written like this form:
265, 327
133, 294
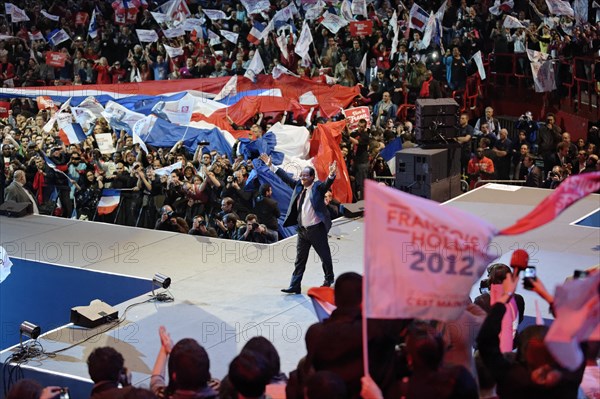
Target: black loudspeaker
353, 210
15, 209
435, 118
94, 315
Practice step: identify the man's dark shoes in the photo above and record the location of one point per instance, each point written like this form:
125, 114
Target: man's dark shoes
327, 283
291, 290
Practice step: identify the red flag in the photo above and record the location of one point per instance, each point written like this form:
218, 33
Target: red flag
56, 59
570, 191
326, 138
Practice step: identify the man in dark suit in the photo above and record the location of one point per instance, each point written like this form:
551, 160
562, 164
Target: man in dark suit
534, 174
307, 209
18, 193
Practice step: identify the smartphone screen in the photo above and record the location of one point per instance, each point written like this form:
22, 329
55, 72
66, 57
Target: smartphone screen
530, 272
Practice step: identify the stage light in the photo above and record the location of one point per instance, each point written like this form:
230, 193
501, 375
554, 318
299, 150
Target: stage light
160, 281
30, 330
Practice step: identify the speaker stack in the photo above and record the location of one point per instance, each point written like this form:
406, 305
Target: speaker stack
436, 119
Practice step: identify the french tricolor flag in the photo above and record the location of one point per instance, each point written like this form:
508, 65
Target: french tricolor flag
256, 33
418, 17
109, 201
72, 134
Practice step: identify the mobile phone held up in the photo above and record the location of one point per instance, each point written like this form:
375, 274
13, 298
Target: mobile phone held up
529, 276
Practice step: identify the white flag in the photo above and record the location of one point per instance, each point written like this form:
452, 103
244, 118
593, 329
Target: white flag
439, 14
16, 14
159, 17
314, 11
282, 42
173, 51
215, 15
543, 76
577, 306
560, 7
498, 8
479, 63
333, 22
176, 10
50, 16
346, 11
59, 37
363, 65
5, 264
143, 128
421, 259
191, 24
303, 44
36, 36
511, 22
93, 28
230, 88
418, 18
429, 31
230, 36
359, 7
83, 116
174, 32
256, 66
396, 30
536, 56
580, 7
213, 38
147, 35
166, 171
279, 70
255, 6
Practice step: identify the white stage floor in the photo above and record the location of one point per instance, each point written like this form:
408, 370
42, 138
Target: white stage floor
227, 292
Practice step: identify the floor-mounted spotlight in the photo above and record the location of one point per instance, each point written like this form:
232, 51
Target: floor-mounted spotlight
29, 330
161, 281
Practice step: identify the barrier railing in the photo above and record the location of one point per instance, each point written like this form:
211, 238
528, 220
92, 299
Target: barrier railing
507, 182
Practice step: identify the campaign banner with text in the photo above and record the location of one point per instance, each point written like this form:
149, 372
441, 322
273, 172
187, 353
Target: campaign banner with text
55, 59
361, 28
421, 259
353, 115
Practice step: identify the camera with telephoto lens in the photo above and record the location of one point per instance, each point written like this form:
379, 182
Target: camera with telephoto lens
254, 226
484, 286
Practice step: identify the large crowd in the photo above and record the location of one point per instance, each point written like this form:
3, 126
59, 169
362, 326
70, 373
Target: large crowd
208, 195
68, 180
407, 358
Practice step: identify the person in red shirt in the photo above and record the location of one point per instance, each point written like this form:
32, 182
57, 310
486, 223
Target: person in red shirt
7, 70
103, 70
480, 167
117, 73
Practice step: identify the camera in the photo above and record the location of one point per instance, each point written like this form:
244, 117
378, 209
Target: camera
254, 226
64, 393
202, 223
484, 286
203, 142
580, 274
529, 276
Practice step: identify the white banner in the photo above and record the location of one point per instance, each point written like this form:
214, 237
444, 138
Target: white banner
173, 51
16, 14
64, 119
560, 7
359, 7
105, 143
146, 35
333, 22
159, 17
498, 8
346, 11
479, 62
192, 23
230, 36
180, 112
59, 37
256, 66
255, 6
511, 22
55, 18
174, 32
36, 36
314, 11
580, 7
543, 76
303, 44
215, 15
536, 56
83, 116
577, 309
5, 264
421, 259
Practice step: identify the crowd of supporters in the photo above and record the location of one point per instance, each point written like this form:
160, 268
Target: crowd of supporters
207, 196
412, 359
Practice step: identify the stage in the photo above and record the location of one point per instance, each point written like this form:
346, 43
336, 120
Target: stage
225, 292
